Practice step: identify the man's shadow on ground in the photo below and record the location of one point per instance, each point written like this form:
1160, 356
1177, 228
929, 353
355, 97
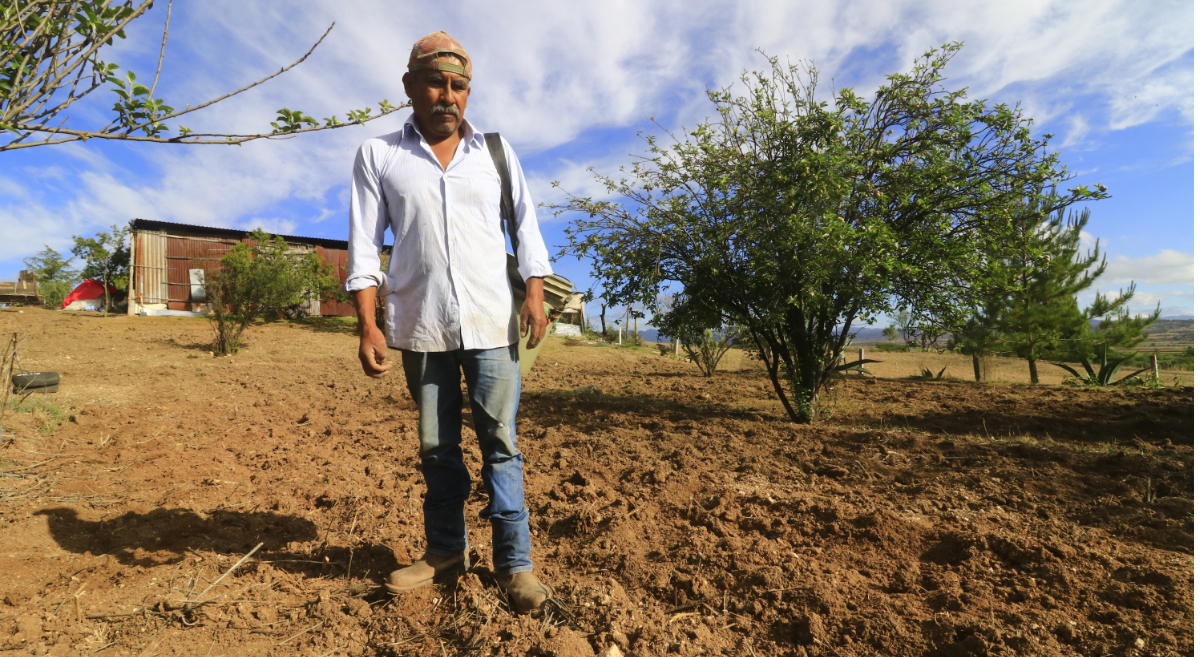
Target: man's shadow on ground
163, 536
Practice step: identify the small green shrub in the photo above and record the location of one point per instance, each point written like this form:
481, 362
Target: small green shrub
890, 348
47, 415
262, 281
1183, 361
706, 348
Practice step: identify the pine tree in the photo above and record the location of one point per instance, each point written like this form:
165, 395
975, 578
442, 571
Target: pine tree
1040, 309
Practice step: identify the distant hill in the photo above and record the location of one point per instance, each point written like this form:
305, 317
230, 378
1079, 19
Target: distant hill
864, 335
1170, 333
1175, 332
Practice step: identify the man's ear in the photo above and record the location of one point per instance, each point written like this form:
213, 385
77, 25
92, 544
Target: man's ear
407, 80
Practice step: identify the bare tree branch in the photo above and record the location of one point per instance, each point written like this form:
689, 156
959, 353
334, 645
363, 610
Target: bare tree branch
43, 52
162, 50
80, 135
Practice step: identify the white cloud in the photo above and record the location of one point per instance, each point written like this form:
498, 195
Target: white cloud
1169, 302
548, 72
1164, 280
1087, 241
562, 68
1167, 267
272, 225
576, 178
13, 189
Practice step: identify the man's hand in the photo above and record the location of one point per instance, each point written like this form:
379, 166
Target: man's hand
533, 313
372, 351
372, 348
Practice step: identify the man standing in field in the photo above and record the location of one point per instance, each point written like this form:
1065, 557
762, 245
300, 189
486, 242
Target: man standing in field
435, 185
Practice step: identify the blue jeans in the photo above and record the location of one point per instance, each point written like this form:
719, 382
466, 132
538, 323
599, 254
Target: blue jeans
494, 385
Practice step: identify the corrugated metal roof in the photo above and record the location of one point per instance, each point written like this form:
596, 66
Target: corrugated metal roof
232, 233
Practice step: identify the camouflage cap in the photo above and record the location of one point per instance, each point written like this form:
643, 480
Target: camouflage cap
427, 51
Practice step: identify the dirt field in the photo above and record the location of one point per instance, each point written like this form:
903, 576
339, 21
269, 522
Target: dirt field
673, 514
1001, 370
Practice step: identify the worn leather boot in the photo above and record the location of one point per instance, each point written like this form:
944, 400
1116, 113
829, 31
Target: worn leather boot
422, 572
525, 593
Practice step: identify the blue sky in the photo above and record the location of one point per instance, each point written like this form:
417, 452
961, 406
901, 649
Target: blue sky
570, 84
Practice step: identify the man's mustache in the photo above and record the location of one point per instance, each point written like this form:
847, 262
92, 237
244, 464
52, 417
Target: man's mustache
439, 108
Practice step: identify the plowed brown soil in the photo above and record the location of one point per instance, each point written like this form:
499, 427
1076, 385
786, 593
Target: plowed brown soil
673, 514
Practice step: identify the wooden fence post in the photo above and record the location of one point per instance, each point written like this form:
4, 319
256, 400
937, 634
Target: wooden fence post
862, 354
676, 347
1154, 364
620, 336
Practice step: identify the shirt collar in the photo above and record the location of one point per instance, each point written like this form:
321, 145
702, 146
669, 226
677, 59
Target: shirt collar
471, 136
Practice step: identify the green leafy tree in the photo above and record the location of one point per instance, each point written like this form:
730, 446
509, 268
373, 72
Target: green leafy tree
795, 218
1043, 280
260, 281
55, 276
904, 325
979, 340
52, 55
929, 334
106, 259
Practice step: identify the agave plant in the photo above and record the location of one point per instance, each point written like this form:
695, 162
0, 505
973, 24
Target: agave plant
1104, 371
928, 373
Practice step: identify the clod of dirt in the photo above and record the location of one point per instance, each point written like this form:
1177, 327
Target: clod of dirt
563, 643
905, 579
612, 651
29, 628
810, 629
832, 471
358, 607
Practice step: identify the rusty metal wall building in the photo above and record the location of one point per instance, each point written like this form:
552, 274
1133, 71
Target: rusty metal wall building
165, 253
149, 267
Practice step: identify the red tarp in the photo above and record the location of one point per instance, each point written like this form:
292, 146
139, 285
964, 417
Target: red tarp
88, 290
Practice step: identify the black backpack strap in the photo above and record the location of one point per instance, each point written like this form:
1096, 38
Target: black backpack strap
507, 213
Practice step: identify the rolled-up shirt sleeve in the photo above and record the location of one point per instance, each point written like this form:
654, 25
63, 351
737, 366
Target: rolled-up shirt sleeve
368, 222
532, 255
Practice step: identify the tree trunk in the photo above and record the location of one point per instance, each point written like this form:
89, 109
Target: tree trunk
771, 359
1033, 378
798, 413
975, 364
603, 325
107, 301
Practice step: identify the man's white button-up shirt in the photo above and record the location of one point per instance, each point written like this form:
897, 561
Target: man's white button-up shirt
447, 284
